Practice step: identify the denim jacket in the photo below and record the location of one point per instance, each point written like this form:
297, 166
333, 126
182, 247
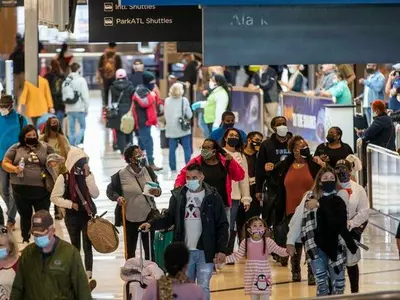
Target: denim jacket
375, 85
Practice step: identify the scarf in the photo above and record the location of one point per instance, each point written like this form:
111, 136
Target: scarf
165, 283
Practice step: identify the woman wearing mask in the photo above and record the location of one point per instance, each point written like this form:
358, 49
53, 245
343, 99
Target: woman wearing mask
25, 161
219, 170
9, 256
55, 78
54, 136
296, 79
334, 150
296, 176
126, 188
217, 102
64, 58
339, 90
358, 210
324, 232
75, 191
232, 143
176, 110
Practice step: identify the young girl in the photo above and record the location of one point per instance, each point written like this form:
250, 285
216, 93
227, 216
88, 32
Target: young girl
257, 247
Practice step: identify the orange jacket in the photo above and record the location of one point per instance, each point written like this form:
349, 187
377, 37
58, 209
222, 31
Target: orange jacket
37, 100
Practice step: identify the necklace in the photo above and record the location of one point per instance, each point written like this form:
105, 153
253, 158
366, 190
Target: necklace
298, 165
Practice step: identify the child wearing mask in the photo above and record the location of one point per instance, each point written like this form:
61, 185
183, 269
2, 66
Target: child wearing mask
257, 247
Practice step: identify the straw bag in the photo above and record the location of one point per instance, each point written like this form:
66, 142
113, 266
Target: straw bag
102, 234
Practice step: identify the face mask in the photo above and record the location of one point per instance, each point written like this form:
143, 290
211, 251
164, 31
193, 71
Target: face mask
370, 70
193, 185
184, 61
334, 81
227, 126
374, 114
54, 128
31, 141
212, 85
343, 177
4, 111
3, 253
207, 154
282, 130
305, 152
330, 138
233, 142
256, 145
42, 241
259, 232
328, 186
292, 70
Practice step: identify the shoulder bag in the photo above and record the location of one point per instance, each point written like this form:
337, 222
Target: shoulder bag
112, 116
185, 123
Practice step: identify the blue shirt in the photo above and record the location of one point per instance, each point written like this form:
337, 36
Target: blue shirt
218, 134
10, 129
394, 104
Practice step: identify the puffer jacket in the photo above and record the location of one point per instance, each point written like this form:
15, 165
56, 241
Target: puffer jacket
122, 91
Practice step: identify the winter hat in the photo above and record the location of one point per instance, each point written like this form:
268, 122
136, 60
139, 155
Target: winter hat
6, 100
148, 77
120, 74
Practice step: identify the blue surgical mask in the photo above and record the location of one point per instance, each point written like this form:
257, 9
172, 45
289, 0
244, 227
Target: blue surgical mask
42, 241
3, 253
193, 185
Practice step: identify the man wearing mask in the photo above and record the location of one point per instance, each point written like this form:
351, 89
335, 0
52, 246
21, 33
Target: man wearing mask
136, 77
227, 122
272, 151
50, 267
11, 123
374, 87
203, 226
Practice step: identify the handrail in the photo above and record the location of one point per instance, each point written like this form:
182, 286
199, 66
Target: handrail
387, 295
383, 150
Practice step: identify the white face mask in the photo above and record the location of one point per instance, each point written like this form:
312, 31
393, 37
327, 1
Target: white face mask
282, 130
212, 85
292, 70
4, 111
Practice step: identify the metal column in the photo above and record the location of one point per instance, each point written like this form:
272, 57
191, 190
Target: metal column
31, 42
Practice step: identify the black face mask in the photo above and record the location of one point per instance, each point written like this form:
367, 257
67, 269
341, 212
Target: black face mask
305, 152
31, 141
54, 128
233, 142
343, 177
330, 138
328, 186
370, 70
255, 145
227, 126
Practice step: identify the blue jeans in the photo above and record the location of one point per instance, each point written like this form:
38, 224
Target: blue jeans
185, 141
368, 115
60, 116
328, 281
200, 271
8, 197
146, 142
73, 117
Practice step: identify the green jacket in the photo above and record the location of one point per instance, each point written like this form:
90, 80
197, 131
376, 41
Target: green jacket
60, 276
216, 104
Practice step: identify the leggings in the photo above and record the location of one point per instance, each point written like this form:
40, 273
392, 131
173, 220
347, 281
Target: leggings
354, 277
76, 222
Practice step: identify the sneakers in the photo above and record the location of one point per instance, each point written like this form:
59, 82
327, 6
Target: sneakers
296, 276
155, 168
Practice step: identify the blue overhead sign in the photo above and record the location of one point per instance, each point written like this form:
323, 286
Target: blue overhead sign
252, 2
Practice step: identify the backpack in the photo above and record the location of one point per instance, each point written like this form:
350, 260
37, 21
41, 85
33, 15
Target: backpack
127, 122
57, 86
109, 67
141, 95
69, 95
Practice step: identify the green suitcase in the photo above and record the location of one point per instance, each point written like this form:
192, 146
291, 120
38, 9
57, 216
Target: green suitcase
161, 241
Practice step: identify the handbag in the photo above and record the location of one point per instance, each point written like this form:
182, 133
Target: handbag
352, 259
102, 234
128, 122
185, 123
48, 180
112, 112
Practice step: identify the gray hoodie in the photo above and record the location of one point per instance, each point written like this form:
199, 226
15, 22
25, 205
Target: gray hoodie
80, 85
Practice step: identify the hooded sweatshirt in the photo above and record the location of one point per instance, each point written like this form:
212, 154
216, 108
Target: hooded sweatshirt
80, 85
58, 194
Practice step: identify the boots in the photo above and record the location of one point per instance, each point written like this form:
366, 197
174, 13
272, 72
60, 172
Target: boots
295, 262
310, 275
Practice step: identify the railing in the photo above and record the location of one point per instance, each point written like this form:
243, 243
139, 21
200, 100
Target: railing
389, 295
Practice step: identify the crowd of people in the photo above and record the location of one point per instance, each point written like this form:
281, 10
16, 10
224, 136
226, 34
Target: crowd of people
269, 195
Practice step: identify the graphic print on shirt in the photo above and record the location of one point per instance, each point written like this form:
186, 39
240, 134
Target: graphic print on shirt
193, 208
263, 282
282, 153
4, 293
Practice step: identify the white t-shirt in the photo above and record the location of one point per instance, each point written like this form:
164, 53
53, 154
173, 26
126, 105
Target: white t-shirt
6, 281
193, 227
366, 102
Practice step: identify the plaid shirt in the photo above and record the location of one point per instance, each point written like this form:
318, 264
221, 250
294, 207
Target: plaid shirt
308, 231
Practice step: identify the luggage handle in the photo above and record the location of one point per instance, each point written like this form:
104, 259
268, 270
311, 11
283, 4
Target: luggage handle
141, 248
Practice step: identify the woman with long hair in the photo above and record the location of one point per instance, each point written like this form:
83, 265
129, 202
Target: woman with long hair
334, 149
9, 256
25, 161
65, 59
55, 77
75, 191
219, 170
54, 136
233, 144
324, 232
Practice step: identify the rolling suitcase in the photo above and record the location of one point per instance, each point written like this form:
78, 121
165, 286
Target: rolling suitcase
161, 241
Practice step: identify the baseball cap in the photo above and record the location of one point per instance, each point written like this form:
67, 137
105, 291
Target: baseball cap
121, 73
343, 163
41, 221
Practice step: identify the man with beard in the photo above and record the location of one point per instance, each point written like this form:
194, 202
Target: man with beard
271, 152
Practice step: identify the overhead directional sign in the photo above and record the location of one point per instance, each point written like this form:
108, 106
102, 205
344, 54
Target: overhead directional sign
253, 2
109, 21
250, 35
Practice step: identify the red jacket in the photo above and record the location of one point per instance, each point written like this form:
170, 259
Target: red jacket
150, 106
235, 172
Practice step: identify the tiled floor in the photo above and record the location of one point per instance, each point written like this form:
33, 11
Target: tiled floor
380, 267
